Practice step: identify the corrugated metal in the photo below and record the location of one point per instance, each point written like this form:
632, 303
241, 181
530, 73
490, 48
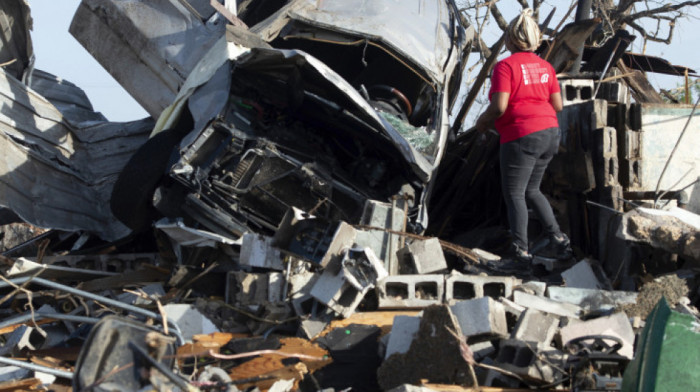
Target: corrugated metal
57, 175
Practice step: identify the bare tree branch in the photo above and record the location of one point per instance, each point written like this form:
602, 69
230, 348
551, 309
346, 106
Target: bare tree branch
498, 17
654, 37
536, 8
663, 9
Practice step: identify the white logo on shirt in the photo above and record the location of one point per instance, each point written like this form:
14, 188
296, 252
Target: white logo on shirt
534, 73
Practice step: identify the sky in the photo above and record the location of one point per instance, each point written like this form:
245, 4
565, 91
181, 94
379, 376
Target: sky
59, 53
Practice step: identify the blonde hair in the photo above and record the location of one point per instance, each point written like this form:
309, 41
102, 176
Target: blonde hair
523, 32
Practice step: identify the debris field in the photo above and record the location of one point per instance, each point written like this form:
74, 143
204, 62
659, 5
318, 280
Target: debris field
301, 211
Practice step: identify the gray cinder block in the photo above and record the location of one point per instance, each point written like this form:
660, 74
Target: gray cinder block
464, 287
535, 326
424, 256
411, 291
481, 318
402, 333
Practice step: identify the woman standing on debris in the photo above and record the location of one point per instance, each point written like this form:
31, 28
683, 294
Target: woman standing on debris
525, 97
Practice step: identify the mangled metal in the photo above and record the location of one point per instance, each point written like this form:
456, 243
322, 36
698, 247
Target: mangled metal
50, 172
150, 60
291, 164
296, 128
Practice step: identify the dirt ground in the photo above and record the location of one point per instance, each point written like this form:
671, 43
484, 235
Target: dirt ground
672, 287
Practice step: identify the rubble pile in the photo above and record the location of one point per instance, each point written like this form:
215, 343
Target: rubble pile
251, 314
299, 213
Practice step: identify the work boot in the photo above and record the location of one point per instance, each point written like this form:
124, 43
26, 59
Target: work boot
555, 246
517, 253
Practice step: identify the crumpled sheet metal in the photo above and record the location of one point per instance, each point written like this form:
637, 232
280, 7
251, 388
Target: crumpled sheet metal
420, 27
149, 47
16, 52
58, 175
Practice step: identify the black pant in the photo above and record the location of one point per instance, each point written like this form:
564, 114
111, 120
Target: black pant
523, 162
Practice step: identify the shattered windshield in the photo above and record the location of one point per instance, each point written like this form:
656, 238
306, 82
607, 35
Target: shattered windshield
418, 137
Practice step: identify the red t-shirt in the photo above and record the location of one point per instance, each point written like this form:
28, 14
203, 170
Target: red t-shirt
530, 81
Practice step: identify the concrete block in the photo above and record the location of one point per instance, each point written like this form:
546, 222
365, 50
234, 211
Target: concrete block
513, 312
257, 251
189, 319
422, 257
312, 327
486, 256
530, 363
343, 238
464, 287
605, 160
345, 282
581, 276
499, 380
482, 350
532, 287
411, 291
383, 243
546, 305
591, 299
333, 291
614, 92
429, 356
481, 318
300, 286
575, 91
243, 288
536, 327
313, 239
402, 333
617, 325
606, 138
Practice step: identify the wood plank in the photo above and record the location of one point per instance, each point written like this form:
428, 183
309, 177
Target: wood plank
11, 328
267, 367
265, 381
457, 388
221, 338
18, 385
642, 90
382, 319
69, 354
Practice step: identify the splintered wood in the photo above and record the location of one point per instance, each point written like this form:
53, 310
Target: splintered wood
264, 370
29, 384
384, 320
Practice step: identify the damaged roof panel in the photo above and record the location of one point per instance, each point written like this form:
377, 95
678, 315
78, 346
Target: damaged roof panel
149, 59
56, 174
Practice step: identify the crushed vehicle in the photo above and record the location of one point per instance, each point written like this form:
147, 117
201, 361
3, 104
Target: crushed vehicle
339, 104
318, 136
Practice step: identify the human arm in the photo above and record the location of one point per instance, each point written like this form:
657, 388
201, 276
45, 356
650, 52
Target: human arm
496, 108
556, 102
